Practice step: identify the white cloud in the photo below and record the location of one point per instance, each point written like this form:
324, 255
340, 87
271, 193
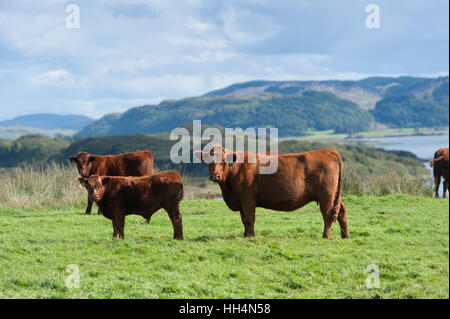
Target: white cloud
58, 77
133, 52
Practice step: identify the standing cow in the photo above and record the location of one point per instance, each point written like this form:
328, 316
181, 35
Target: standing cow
301, 178
128, 164
120, 196
440, 169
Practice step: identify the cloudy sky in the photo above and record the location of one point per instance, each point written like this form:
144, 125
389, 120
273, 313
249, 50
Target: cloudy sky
133, 52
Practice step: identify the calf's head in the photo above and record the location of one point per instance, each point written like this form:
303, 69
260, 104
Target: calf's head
95, 186
219, 162
84, 163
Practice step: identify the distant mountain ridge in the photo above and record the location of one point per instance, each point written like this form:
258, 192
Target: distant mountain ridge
294, 107
49, 121
365, 92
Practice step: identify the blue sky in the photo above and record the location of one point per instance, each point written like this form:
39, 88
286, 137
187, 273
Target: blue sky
133, 52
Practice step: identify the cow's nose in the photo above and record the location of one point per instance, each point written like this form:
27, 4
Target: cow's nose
214, 178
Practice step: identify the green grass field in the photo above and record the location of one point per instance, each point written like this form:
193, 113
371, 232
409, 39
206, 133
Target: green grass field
406, 237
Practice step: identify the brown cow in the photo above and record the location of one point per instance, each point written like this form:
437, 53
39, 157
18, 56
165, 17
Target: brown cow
120, 196
301, 178
440, 169
128, 164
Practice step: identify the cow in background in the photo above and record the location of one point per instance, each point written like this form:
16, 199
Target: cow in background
301, 178
440, 169
129, 164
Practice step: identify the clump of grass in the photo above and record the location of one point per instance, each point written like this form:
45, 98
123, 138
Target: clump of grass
390, 183
352, 183
29, 188
56, 187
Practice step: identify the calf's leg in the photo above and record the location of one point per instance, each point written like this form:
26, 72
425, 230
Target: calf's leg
342, 218
177, 221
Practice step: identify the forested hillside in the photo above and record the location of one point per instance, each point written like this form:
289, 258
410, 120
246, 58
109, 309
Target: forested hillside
294, 107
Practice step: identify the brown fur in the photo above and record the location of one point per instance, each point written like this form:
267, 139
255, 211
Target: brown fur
128, 164
440, 169
301, 178
120, 196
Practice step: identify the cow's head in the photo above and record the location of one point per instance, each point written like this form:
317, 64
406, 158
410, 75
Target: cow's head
95, 186
84, 163
219, 162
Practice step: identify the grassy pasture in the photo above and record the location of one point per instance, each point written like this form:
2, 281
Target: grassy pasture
407, 237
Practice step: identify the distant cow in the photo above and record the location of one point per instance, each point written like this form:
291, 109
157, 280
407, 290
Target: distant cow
120, 196
440, 169
128, 164
301, 178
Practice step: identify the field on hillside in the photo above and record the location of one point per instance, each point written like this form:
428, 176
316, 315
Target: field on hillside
406, 237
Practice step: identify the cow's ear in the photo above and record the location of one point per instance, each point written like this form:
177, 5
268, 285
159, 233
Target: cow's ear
73, 159
106, 180
199, 154
232, 157
83, 181
91, 159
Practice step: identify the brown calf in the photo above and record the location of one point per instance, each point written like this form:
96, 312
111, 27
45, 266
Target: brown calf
440, 169
301, 178
128, 164
117, 197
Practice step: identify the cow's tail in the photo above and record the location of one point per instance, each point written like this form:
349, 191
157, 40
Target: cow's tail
337, 197
440, 158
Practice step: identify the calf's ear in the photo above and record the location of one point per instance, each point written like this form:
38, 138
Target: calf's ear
73, 159
232, 157
91, 159
105, 180
199, 154
83, 181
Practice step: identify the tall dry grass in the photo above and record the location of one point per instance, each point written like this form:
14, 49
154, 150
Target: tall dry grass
387, 184
56, 187
32, 188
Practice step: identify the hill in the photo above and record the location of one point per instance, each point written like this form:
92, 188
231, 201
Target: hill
411, 111
292, 114
292, 106
14, 132
30, 149
49, 121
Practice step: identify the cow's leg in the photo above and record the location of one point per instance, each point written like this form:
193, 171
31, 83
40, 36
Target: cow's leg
177, 221
119, 225
115, 228
330, 215
342, 218
248, 217
89, 207
446, 184
437, 183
